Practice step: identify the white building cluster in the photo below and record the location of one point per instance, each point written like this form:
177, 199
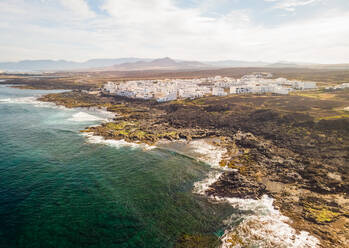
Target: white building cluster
338, 87
259, 84
173, 89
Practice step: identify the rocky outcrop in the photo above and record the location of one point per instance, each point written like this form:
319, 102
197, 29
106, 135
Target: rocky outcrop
234, 184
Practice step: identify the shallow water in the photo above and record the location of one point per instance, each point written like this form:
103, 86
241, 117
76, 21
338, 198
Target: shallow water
58, 190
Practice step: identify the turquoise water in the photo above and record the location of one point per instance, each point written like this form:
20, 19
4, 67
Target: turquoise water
57, 190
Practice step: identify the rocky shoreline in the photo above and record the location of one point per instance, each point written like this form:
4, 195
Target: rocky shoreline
282, 149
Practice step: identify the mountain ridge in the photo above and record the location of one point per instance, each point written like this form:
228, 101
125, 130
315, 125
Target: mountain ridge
165, 63
135, 64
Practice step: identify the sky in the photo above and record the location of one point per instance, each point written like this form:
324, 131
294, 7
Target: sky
309, 31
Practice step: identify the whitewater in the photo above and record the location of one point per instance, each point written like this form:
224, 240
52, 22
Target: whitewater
261, 224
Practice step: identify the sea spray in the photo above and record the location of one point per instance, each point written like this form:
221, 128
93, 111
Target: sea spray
202, 186
262, 226
29, 100
102, 111
208, 153
85, 117
94, 139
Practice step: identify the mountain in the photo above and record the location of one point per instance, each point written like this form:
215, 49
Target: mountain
237, 63
37, 65
285, 65
332, 66
109, 62
157, 64
59, 65
136, 64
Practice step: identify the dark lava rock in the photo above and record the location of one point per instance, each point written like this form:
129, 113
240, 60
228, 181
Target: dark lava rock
233, 184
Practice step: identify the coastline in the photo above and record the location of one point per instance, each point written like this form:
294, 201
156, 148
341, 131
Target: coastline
248, 232
264, 219
242, 149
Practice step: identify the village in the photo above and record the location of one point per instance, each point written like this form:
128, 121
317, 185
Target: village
338, 87
173, 89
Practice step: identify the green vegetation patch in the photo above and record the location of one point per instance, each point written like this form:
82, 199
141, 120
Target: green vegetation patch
320, 213
342, 116
121, 133
140, 135
120, 125
199, 101
169, 135
240, 163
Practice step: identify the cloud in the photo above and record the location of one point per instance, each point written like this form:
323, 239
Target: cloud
158, 28
78, 7
169, 30
291, 5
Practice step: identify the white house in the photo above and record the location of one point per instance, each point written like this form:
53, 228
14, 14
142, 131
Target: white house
305, 85
110, 87
169, 97
216, 91
281, 90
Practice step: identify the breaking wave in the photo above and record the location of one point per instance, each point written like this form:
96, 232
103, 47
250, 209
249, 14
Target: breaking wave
257, 224
103, 112
263, 226
202, 186
30, 100
208, 153
77, 117
85, 117
93, 139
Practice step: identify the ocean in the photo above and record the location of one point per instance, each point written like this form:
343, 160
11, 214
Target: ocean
58, 190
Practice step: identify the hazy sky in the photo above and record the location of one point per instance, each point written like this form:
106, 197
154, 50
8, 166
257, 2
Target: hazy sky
268, 30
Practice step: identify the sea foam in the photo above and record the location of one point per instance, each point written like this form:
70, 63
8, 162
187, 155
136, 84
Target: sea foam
260, 223
207, 152
30, 100
93, 139
77, 117
202, 186
263, 226
103, 112
85, 117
